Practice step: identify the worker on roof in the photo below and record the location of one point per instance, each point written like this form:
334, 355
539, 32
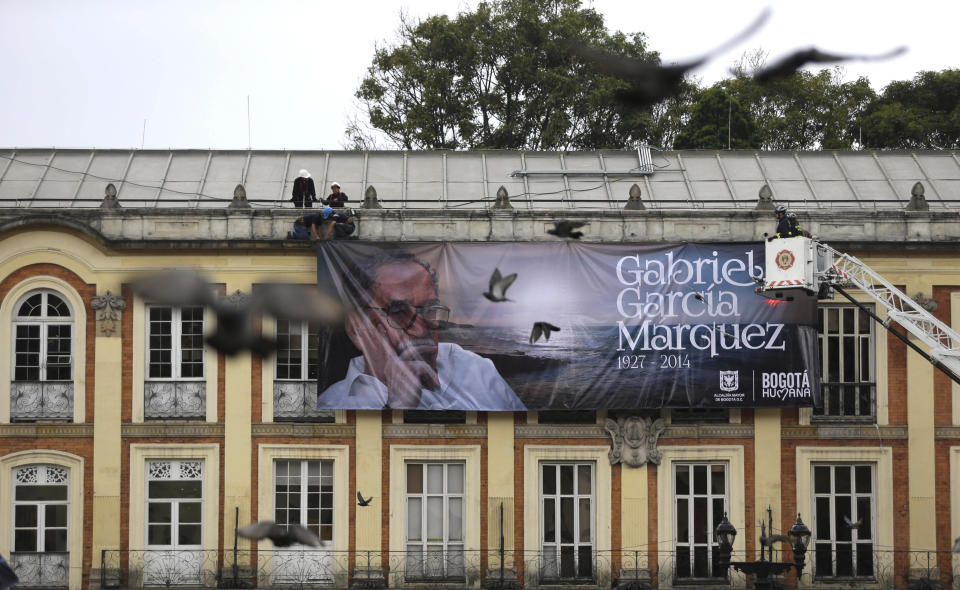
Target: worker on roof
304, 193
783, 224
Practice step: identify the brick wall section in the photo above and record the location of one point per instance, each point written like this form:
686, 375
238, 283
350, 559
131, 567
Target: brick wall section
126, 366
616, 512
896, 376
942, 395
652, 517
256, 378
82, 447
86, 292
944, 512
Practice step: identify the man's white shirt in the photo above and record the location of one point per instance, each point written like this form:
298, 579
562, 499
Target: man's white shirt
467, 382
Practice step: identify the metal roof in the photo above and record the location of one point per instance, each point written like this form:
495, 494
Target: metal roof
77, 178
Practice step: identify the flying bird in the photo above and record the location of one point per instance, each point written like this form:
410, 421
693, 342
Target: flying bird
235, 329
542, 329
789, 65
956, 545
652, 83
499, 285
361, 501
852, 525
8, 577
564, 229
281, 536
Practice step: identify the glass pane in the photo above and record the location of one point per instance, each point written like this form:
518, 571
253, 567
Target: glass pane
583, 479
849, 358
175, 489
844, 510
414, 518
700, 566
864, 479
55, 540
842, 479
833, 364
833, 320
585, 561
699, 479
435, 519
549, 520
32, 306
823, 560
24, 516
549, 479
566, 479
700, 524
844, 560
683, 563
158, 534
717, 480
434, 478
865, 559
683, 479
191, 512
189, 534
326, 532
566, 520
865, 516
56, 515
848, 313
455, 478
683, 527
25, 540
414, 478
823, 519
46, 493
568, 567
585, 518
455, 525
159, 512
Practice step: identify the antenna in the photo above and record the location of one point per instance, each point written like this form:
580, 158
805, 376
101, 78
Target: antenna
729, 115
248, 121
143, 136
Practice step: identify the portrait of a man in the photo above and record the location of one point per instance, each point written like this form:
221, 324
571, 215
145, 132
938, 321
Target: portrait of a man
395, 323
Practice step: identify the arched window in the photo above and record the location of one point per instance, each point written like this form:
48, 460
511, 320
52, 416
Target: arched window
43, 338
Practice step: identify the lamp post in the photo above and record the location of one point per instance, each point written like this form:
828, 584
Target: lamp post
762, 569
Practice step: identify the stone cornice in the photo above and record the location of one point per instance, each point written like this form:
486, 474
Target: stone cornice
434, 431
709, 431
44, 430
844, 431
561, 431
172, 429
301, 429
946, 432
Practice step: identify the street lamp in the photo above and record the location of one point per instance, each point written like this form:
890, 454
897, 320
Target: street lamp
800, 536
725, 534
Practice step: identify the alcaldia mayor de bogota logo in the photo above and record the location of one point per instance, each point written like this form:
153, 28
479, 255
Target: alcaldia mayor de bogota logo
785, 259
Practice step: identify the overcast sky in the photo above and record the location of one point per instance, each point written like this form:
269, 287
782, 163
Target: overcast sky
87, 74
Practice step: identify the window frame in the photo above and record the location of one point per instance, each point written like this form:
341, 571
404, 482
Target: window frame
176, 348
304, 494
853, 495
557, 545
712, 543
175, 505
449, 546
43, 322
304, 351
41, 516
823, 357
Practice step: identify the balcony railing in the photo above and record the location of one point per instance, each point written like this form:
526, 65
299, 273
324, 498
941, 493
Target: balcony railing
297, 401
308, 567
41, 400
178, 400
41, 570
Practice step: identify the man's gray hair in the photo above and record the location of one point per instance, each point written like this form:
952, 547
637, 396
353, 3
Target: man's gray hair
364, 272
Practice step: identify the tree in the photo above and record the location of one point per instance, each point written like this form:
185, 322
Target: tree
923, 113
717, 122
503, 76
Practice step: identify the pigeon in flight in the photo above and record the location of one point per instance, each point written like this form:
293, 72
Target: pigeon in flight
789, 65
564, 229
281, 536
499, 285
852, 525
652, 83
235, 329
361, 501
956, 545
542, 329
8, 577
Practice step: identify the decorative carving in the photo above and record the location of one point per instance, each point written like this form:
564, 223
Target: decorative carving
765, 201
503, 199
633, 202
110, 200
109, 308
239, 198
918, 201
635, 440
238, 298
175, 399
41, 400
297, 400
927, 303
370, 200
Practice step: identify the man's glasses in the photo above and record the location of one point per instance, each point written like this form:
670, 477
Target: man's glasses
401, 314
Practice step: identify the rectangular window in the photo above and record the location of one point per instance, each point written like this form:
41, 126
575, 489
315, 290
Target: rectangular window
843, 524
434, 528
42, 352
297, 351
700, 501
699, 415
174, 504
303, 496
175, 342
567, 522
846, 364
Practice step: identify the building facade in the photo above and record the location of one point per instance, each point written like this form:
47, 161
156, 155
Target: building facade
130, 450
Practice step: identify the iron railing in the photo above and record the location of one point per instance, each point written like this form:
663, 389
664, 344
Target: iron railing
183, 400
41, 569
41, 400
298, 568
297, 401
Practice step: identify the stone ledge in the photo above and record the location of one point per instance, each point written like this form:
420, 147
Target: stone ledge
305, 429
172, 429
434, 431
844, 432
46, 429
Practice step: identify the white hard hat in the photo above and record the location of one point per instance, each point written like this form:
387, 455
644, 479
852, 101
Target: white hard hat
304, 174
335, 184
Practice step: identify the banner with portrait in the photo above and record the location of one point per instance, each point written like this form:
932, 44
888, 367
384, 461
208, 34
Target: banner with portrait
561, 326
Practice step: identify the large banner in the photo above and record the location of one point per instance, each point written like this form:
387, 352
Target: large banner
562, 326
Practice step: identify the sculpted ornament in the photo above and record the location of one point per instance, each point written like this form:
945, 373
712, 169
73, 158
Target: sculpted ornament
108, 307
635, 440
